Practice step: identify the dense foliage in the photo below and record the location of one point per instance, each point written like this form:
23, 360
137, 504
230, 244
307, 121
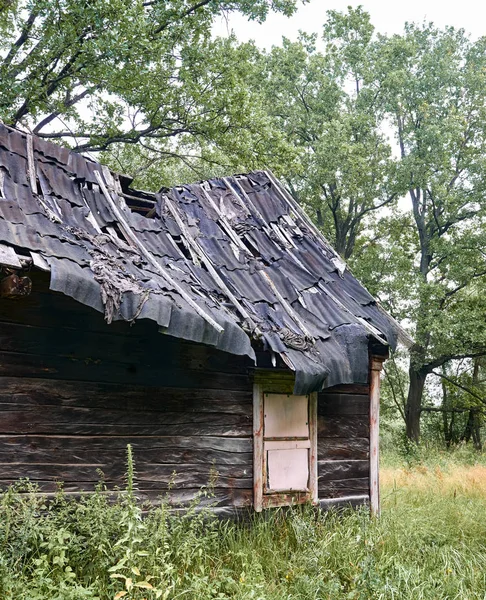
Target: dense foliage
429, 543
94, 73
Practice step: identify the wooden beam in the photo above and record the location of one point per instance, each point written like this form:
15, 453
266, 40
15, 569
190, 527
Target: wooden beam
257, 447
39, 261
31, 171
376, 366
343, 502
313, 480
276, 381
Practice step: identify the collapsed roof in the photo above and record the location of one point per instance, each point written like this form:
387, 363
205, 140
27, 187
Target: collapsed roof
230, 262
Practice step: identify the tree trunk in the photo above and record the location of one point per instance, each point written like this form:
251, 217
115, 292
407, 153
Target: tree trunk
413, 408
452, 434
476, 418
445, 420
468, 431
476, 432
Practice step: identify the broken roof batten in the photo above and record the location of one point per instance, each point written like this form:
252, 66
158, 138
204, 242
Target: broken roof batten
148, 256
225, 262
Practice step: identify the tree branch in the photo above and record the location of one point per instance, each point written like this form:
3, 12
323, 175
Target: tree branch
67, 104
186, 13
460, 386
397, 404
24, 36
438, 362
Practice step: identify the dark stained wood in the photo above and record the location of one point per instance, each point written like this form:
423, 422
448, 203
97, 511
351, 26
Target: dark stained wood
75, 391
348, 388
77, 443
151, 372
23, 392
344, 487
343, 443
100, 450
345, 426
216, 497
148, 475
56, 311
342, 469
342, 448
38, 324
81, 421
69, 420
175, 497
274, 380
92, 346
343, 404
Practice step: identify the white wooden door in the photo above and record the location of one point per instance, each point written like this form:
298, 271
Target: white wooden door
286, 443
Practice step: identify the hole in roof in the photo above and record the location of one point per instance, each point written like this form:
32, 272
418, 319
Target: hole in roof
249, 245
114, 228
140, 202
182, 247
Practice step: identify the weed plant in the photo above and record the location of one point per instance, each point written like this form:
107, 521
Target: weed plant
430, 543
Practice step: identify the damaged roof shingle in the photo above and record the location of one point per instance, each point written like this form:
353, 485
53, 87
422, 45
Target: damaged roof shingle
225, 262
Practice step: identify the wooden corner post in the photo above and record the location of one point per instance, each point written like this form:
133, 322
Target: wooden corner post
376, 366
257, 447
313, 479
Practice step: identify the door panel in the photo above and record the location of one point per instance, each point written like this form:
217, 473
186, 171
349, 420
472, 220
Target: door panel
286, 416
288, 470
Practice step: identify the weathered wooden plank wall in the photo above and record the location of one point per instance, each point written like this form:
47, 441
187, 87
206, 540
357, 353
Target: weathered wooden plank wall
75, 391
343, 442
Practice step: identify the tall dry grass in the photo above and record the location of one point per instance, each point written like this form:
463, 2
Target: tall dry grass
449, 482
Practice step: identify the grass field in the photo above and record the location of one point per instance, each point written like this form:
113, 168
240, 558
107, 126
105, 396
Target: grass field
430, 543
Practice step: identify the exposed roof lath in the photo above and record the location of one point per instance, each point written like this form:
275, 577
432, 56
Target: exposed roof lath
224, 262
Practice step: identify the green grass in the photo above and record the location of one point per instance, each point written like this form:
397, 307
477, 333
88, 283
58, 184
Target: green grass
429, 543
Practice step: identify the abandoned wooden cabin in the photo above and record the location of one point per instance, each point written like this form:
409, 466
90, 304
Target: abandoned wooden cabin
210, 326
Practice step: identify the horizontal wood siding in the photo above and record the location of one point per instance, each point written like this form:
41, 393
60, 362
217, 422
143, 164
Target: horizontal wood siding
75, 391
343, 443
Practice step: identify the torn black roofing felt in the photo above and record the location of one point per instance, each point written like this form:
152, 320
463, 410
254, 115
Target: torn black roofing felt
225, 262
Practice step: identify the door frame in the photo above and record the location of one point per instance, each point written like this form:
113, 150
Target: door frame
282, 382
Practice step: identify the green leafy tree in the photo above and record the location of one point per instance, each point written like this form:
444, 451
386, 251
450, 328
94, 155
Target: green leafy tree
327, 111
236, 134
94, 73
432, 84
463, 405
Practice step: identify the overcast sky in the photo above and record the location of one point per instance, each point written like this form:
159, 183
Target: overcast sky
388, 16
